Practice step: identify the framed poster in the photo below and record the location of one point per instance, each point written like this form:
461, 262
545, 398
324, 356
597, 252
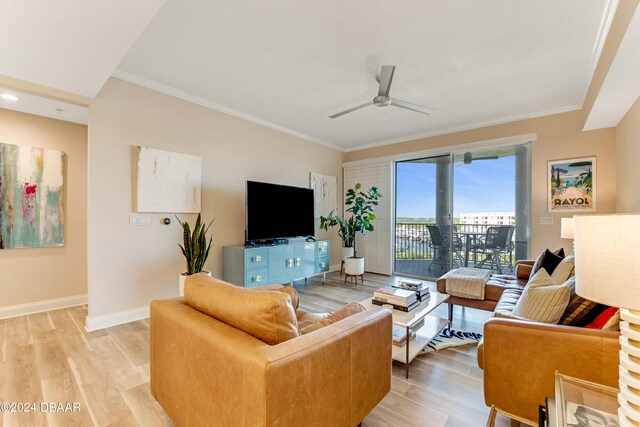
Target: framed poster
571, 185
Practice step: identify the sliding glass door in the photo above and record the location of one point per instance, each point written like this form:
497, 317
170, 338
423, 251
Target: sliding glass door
423, 245
464, 209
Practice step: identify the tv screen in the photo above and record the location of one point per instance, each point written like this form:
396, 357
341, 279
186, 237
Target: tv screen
275, 211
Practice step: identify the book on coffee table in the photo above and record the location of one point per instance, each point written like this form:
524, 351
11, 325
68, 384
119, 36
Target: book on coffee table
397, 307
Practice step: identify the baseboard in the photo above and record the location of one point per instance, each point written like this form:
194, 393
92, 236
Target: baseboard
118, 318
335, 267
40, 306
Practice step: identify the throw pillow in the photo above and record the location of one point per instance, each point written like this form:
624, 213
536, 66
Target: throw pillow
605, 319
542, 300
580, 311
614, 323
341, 313
549, 265
564, 270
267, 315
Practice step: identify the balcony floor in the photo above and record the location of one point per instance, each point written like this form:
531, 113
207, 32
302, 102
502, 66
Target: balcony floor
424, 268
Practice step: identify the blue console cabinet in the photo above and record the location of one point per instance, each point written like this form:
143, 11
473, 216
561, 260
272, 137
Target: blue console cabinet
298, 259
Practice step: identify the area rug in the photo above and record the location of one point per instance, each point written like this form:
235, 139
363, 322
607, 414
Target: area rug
451, 338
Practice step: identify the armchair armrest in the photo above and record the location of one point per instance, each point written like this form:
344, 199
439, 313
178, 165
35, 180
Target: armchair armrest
343, 368
520, 359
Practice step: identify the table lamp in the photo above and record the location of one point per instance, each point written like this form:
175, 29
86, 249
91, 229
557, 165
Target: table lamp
607, 251
566, 228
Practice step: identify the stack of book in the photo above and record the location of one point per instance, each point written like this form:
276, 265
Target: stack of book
400, 335
421, 290
401, 299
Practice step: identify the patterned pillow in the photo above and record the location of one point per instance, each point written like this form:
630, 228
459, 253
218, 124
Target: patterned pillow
580, 311
542, 300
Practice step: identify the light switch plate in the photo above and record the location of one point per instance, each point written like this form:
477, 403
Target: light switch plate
546, 220
137, 219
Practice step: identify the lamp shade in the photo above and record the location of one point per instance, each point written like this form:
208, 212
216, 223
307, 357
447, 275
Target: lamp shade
566, 228
607, 249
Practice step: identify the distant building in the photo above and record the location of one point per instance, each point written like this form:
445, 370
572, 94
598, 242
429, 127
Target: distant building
493, 218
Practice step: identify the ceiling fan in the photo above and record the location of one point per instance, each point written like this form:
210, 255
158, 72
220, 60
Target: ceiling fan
383, 99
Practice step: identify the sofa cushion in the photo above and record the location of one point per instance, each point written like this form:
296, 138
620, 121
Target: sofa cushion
507, 302
267, 315
542, 300
341, 313
547, 260
305, 318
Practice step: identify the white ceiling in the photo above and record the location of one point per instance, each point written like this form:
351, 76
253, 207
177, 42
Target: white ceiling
40, 106
621, 87
290, 64
72, 45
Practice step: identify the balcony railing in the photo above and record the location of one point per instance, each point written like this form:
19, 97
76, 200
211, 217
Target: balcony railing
413, 243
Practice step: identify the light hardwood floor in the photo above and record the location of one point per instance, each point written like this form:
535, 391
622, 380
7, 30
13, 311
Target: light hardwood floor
49, 357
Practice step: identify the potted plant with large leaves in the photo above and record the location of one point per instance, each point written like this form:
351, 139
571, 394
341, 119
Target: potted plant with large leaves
195, 247
358, 218
346, 232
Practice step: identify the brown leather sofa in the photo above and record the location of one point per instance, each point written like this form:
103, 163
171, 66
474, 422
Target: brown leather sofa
520, 358
205, 372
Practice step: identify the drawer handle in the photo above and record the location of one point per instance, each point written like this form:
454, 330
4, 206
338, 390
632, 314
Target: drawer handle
258, 278
298, 261
323, 265
257, 258
289, 262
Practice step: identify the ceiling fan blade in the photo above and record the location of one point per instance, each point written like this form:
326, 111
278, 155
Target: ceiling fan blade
342, 113
413, 107
386, 76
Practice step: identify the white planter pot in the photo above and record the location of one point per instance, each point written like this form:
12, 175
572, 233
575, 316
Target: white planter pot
346, 252
354, 266
183, 276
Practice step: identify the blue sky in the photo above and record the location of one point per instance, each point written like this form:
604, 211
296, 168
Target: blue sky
482, 186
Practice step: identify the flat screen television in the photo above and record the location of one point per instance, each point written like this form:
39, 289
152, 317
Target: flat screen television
278, 211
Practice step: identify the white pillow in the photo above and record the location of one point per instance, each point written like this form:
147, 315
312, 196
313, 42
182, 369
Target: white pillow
564, 270
542, 300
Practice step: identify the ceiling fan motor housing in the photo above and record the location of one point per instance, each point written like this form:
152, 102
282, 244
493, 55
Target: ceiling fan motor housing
381, 101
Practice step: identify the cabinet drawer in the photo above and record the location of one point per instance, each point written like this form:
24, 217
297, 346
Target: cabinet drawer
322, 249
256, 277
256, 258
322, 265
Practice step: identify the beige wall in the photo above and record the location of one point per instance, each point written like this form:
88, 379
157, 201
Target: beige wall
32, 275
130, 266
558, 137
628, 154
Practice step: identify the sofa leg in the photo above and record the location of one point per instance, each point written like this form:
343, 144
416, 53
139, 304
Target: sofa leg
450, 315
491, 421
515, 423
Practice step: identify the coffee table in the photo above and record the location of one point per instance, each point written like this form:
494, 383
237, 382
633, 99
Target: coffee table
425, 332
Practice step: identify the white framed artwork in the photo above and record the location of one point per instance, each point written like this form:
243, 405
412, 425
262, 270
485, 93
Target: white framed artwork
324, 187
167, 181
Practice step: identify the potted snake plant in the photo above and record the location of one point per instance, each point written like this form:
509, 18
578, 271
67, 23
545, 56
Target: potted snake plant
195, 248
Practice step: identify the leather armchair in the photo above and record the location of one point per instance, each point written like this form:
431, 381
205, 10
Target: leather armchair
207, 373
520, 358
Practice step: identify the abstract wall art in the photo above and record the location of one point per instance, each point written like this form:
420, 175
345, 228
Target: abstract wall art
167, 181
31, 197
324, 187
